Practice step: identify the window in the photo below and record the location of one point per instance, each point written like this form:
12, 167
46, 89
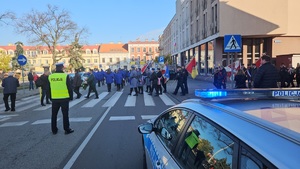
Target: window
45, 52
138, 50
103, 60
132, 49
173, 122
150, 50
250, 159
205, 146
110, 60
118, 60
88, 61
95, 60
88, 51
95, 51
144, 49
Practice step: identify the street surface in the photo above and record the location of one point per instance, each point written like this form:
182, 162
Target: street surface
105, 136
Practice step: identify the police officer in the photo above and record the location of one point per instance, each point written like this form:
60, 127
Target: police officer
179, 78
60, 93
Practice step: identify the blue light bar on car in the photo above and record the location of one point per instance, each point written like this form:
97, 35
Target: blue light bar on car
210, 94
249, 93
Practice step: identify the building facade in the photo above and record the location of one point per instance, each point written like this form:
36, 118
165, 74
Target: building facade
199, 26
102, 56
141, 52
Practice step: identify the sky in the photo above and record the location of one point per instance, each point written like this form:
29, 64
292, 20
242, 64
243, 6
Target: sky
106, 20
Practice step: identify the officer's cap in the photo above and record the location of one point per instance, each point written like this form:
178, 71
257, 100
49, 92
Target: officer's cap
59, 64
158, 68
153, 69
133, 66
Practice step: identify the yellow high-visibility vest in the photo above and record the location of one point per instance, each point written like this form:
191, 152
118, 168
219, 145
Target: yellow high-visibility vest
58, 85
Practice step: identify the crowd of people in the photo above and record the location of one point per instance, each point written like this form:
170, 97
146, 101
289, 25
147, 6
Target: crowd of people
266, 76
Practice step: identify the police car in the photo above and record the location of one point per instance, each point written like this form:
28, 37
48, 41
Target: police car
253, 129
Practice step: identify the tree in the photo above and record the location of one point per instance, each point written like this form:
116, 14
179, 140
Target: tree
75, 54
4, 61
6, 17
52, 27
19, 51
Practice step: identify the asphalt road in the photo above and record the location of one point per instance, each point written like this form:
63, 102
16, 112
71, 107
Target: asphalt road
105, 136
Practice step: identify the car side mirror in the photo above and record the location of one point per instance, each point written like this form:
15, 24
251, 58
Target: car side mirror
146, 128
165, 134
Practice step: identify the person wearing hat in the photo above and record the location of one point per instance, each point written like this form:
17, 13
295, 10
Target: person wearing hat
10, 85
133, 79
267, 75
60, 93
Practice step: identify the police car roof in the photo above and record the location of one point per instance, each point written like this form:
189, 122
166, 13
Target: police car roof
271, 127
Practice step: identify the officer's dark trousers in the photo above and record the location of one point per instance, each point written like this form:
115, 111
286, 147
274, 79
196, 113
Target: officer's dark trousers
179, 84
56, 105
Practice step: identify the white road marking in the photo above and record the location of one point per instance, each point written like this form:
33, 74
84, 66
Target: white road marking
44, 121
93, 102
166, 100
86, 140
80, 119
147, 117
9, 124
148, 100
112, 101
20, 103
130, 101
116, 118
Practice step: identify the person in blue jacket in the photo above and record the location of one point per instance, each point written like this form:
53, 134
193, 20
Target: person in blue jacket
109, 78
118, 79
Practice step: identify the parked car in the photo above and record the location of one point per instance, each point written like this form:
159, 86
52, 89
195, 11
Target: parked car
255, 129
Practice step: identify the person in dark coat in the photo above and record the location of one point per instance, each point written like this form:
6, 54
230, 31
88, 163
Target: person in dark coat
30, 79
45, 88
283, 75
10, 85
185, 75
266, 75
109, 78
153, 80
77, 83
179, 78
240, 79
297, 74
159, 81
91, 81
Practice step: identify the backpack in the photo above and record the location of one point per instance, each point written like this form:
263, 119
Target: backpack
38, 82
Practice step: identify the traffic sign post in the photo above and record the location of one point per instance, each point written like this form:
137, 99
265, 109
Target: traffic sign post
232, 43
161, 60
22, 60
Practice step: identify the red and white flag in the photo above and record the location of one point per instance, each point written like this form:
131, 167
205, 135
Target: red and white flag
189, 67
145, 67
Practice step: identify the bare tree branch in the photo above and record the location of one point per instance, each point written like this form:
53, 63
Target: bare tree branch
52, 27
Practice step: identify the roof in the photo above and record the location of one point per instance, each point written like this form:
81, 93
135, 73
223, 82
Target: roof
114, 48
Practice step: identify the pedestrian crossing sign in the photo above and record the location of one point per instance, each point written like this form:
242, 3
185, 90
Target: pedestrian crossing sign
232, 43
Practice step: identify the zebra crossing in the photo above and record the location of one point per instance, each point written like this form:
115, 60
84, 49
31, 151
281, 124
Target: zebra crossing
33, 103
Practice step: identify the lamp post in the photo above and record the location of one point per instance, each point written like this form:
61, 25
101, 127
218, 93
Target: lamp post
99, 57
